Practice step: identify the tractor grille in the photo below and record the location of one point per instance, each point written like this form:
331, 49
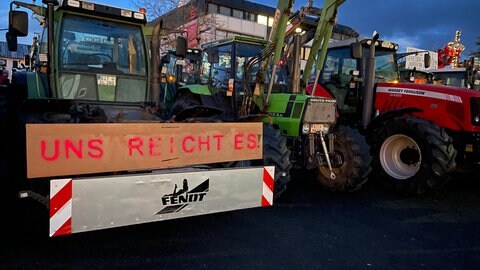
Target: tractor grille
475, 110
320, 110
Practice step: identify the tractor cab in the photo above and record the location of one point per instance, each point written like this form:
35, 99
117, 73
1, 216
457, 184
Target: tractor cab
344, 71
224, 69
101, 60
89, 57
224, 63
185, 68
177, 70
94, 57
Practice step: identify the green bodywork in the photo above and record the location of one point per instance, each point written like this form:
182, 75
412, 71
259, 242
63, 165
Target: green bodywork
37, 82
286, 111
36, 85
198, 89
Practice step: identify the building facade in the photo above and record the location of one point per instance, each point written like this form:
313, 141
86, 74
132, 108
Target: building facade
14, 59
208, 20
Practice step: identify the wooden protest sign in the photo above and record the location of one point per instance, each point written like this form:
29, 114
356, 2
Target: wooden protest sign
73, 149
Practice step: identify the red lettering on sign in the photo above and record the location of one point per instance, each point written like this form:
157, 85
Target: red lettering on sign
238, 142
171, 145
204, 142
72, 149
56, 151
95, 146
76, 149
152, 144
252, 141
218, 138
184, 144
135, 143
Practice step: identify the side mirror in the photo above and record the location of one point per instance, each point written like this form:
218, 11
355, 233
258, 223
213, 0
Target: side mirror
181, 48
12, 43
3, 62
213, 56
356, 51
18, 23
427, 60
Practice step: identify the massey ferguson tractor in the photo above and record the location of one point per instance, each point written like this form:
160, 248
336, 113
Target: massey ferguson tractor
419, 134
83, 135
246, 79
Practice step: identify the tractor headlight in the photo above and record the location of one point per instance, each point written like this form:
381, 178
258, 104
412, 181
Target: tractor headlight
171, 78
325, 128
306, 128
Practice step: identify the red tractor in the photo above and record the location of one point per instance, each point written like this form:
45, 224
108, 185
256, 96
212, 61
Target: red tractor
419, 134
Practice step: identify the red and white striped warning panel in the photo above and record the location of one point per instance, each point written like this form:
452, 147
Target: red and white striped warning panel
60, 207
268, 186
90, 204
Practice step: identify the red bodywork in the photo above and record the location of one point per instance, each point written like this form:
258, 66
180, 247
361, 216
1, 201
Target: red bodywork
319, 91
448, 107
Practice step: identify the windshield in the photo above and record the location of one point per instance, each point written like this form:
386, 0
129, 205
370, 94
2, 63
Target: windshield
101, 60
244, 52
230, 65
385, 67
337, 68
218, 72
450, 78
190, 66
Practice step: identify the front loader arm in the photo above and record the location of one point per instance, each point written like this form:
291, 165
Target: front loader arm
328, 19
276, 41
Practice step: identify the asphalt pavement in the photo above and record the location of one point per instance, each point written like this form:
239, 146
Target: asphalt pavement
308, 228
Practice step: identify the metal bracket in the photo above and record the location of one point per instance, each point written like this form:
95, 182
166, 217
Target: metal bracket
35, 196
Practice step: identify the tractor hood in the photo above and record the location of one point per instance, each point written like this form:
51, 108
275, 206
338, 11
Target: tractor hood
450, 107
427, 90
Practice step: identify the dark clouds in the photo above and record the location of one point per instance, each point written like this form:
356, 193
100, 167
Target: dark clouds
425, 24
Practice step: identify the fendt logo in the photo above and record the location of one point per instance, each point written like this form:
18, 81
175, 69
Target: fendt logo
178, 200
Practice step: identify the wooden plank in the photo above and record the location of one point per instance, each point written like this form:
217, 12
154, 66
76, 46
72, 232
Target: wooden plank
72, 149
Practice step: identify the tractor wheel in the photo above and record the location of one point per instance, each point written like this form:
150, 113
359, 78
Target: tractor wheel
351, 163
276, 153
181, 109
412, 155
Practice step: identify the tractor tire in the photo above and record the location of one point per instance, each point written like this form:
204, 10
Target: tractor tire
189, 108
412, 155
180, 109
353, 170
276, 153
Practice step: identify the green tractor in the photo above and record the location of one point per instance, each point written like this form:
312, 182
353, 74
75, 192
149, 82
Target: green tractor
89, 110
176, 71
239, 77
191, 94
